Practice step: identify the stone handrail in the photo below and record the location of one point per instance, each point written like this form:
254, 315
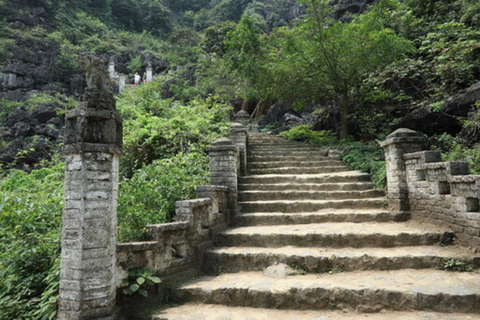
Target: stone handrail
438, 192
177, 247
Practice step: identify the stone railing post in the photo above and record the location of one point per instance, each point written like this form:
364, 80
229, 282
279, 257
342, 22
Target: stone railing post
239, 134
93, 141
223, 171
397, 144
121, 83
149, 73
242, 117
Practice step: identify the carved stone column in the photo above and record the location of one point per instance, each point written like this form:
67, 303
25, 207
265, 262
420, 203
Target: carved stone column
93, 141
397, 144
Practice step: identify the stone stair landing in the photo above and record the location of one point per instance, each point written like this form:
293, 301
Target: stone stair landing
351, 257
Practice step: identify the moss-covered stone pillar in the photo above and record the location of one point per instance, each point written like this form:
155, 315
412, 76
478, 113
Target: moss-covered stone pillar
223, 171
93, 141
397, 144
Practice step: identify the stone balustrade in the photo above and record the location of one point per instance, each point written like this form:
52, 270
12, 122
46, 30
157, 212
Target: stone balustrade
176, 250
438, 192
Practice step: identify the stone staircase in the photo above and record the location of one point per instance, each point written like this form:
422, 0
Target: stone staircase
348, 257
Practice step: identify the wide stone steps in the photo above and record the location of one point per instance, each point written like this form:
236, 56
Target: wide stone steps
256, 195
352, 257
299, 170
318, 260
338, 215
309, 205
339, 177
304, 164
371, 291
195, 311
333, 235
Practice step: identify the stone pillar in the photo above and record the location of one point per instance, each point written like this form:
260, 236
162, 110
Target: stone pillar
111, 68
149, 73
239, 135
93, 141
223, 171
242, 117
397, 144
121, 83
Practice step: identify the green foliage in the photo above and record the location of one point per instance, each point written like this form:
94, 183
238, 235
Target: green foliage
4, 49
135, 64
30, 220
305, 134
456, 265
149, 196
139, 280
367, 158
454, 50
156, 128
456, 149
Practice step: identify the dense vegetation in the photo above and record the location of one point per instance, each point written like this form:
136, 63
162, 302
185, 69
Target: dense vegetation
165, 158
360, 76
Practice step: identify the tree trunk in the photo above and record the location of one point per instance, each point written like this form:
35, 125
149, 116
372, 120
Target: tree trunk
344, 111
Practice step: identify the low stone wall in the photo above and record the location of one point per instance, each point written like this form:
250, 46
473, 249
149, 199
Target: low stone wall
178, 247
443, 193
438, 192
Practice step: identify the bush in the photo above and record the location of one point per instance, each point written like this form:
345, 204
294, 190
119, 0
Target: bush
305, 134
30, 220
149, 196
157, 129
368, 158
455, 149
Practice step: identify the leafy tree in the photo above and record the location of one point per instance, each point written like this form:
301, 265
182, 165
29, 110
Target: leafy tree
335, 57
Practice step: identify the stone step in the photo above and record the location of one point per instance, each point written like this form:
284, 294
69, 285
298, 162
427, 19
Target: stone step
300, 170
283, 157
339, 177
306, 186
318, 260
281, 148
310, 205
335, 235
303, 164
372, 291
287, 152
356, 216
307, 195
194, 311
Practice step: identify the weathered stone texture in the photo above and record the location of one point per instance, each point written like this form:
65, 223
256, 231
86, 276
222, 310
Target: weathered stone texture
178, 247
87, 285
439, 192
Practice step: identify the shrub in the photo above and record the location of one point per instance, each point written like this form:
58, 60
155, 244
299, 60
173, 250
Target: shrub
149, 196
30, 219
305, 134
368, 158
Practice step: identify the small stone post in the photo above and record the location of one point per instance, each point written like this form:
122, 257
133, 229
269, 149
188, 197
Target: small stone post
121, 83
223, 171
242, 117
93, 141
149, 73
239, 135
397, 144
111, 68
